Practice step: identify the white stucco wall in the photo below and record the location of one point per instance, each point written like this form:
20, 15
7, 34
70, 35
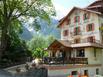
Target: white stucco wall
67, 72
93, 19
102, 62
89, 53
101, 24
97, 20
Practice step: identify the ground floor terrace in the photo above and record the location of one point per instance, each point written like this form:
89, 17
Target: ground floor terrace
66, 53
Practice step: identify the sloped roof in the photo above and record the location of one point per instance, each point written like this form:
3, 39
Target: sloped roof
65, 43
94, 6
75, 8
94, 3
59, 43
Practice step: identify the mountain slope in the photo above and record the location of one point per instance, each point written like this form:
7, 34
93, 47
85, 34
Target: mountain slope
50, 29
46, 29
26, 35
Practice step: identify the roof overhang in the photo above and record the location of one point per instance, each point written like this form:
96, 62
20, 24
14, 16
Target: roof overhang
84, 45
60, 44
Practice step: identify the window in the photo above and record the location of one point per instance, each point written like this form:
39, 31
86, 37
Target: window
86, 72
91, 39
74, 73
65, 33
85, 16
76, 19
80, 53
77, 41
77, 31
97, 71
53, 54
90, 27
68, 21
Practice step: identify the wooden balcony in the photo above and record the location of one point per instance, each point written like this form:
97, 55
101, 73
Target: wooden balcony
77, 60
87, 43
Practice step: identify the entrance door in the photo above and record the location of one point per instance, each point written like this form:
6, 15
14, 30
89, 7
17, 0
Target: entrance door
86, 72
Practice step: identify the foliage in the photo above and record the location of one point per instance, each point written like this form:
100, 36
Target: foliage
38, 41
38, 44
50, 39
17, 51
14, 12
101, 29
39, 53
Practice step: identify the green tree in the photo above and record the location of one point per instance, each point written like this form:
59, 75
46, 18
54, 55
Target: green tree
38, 44
39, 53
38, 41
14, 12
101, 29
50, 39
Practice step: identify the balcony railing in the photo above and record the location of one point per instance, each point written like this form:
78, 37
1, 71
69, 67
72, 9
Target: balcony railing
76, 33
72, 60
78, 60
88, 41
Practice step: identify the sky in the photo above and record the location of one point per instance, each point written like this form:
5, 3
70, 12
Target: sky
63, 7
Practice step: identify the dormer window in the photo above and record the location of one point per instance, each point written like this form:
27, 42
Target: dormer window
65, 33
86, 16
76, 19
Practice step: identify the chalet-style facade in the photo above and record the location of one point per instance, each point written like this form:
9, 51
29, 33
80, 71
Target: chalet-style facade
81, 37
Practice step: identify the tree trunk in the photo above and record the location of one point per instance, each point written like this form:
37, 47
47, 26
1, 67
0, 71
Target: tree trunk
4, 35
3, 45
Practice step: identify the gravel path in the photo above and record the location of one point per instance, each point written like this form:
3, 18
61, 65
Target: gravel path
33, 72
30, 73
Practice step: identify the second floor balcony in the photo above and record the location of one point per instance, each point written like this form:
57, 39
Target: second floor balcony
86, 42
76, 33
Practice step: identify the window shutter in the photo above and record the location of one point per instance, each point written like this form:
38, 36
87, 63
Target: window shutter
93, 27
87, 28
78, 29
83, 16
74, 19
94, 39
78, 18
74, 30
